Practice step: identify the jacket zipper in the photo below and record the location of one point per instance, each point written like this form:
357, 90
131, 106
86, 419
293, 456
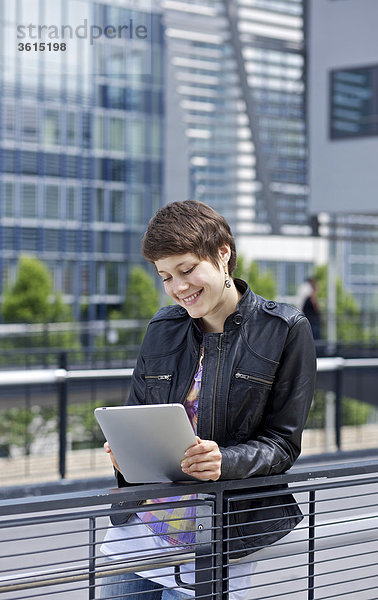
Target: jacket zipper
251, 378
215, 387
159, 377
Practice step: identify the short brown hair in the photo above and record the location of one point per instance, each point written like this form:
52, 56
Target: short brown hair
188, 226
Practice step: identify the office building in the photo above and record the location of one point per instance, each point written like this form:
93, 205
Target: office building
236, 106
81, 138
343, 122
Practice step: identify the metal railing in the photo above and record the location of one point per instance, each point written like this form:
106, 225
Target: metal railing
51, 546
65, 399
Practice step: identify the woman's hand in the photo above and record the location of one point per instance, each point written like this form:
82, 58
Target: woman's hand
203, 460
111, 455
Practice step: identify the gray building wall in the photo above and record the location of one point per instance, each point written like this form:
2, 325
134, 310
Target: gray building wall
343, 173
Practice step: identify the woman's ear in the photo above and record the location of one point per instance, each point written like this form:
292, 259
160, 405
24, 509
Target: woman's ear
224, 254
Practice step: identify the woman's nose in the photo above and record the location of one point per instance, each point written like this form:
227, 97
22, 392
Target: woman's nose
180, 286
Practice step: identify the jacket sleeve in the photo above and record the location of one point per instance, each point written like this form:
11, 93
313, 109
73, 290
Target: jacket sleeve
278, 443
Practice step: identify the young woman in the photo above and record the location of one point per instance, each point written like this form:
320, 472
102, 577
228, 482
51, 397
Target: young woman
243, 367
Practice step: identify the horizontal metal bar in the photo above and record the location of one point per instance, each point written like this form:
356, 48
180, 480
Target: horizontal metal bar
318, 477
44, 376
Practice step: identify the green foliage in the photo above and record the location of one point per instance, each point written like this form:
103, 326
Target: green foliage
31, 299
348, 327
142, 299
261, 283
141, 303
19, 427
353, 411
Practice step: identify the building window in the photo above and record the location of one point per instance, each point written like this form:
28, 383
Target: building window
8, 238
135, 208
52, 240
30, 124
117, 214
29, 238
29, 201
99, 205
72, 129
9, 200
112, 277
71, 237
9, 120
52, 202
51, 127
116, 242
117, 134
68, 277
71, 204
99, 241
354, 102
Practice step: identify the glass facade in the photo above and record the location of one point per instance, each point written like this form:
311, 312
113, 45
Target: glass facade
81, 141
240, 162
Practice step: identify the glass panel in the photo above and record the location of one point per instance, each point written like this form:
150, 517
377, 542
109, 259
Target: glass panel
68, 277
30, 124
117, 214
116, 242
71, 239
71, 204
354, 102
9, 210
135, 208
9, 120
51, 134
98, 131
112, 275
117, 134
99, 205
28, 200
52, 202
72, 129
136, 131
28, 238
52, 240
99, 241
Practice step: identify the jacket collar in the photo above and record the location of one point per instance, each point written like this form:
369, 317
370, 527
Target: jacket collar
244, 308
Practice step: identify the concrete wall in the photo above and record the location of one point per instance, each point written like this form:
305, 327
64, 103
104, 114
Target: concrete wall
343, 173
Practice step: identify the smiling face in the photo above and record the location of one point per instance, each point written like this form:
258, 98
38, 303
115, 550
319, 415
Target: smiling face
198, 285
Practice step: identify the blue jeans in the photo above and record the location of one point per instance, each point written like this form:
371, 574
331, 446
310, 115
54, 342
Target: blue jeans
128, 585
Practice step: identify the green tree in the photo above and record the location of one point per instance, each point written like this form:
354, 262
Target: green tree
348, 324
262, 283
142, 298
31, 299
141, 302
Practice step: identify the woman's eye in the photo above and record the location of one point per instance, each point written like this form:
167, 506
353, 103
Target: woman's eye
166, 279
189, 271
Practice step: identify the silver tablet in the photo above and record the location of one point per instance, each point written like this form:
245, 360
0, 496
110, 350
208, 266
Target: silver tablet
148, 441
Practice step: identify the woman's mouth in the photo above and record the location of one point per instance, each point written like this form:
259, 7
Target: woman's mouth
192, 298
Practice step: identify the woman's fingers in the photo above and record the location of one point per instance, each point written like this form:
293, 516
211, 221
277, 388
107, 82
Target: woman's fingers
203, 460
112, 457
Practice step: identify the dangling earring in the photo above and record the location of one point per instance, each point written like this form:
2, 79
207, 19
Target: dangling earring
227, 282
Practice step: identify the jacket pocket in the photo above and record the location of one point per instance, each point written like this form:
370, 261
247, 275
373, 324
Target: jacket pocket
246, 402
158, 388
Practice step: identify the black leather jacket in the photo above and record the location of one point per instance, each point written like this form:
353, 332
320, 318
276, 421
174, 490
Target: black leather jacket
256, 390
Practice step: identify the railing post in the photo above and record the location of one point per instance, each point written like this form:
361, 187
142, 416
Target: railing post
311, 546
205, 547
92, 559
338, 405
62, 395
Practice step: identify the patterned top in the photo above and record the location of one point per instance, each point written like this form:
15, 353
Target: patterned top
177, 525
